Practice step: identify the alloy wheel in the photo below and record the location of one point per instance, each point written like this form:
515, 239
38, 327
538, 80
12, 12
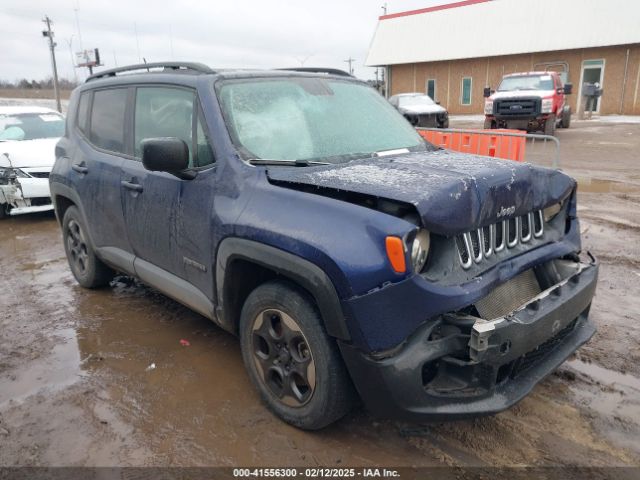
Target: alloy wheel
283, 357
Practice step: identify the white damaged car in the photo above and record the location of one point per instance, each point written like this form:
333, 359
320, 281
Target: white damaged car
28, 136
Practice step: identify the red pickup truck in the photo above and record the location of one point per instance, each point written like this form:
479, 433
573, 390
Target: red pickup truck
528, 101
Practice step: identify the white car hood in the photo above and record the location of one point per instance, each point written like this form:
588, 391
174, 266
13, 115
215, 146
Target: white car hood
28, 153
522, 93
422, 109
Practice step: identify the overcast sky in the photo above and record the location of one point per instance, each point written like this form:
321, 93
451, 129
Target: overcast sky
230, 33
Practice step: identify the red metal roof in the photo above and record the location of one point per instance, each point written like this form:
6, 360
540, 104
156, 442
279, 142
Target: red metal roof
464, 3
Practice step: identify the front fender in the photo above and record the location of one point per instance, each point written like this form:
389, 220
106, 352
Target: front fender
304, 273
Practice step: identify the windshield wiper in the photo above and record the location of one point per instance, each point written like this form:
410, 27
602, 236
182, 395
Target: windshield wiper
292, 163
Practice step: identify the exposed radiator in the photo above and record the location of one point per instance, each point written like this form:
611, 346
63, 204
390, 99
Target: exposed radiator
510, 295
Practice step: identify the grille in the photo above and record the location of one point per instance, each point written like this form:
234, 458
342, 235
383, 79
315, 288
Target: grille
517, 106
480, 244
39, 174
508, 296
40, 201
529, 359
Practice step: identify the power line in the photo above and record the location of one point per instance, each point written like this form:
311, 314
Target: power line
52, 45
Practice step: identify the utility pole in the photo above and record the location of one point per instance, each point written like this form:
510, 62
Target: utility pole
52, 45
350, 62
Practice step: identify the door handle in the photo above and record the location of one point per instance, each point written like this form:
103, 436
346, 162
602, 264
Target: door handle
79, 167
136, 187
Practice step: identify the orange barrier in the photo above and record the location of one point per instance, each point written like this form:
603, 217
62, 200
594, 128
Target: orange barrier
485, 142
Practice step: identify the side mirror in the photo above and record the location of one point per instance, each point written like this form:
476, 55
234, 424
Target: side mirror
437, 103
487, 92
568, 88
169, 154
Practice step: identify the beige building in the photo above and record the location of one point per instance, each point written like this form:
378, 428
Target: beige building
452, 52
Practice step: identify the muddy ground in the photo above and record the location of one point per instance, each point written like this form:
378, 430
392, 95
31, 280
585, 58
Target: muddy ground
76, 386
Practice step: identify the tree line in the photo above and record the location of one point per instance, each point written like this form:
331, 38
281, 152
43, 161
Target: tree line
46, 84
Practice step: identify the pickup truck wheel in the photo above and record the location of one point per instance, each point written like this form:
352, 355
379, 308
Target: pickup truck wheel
566, 118
550, 125
4, 211
292, 362
88, 269
488, 124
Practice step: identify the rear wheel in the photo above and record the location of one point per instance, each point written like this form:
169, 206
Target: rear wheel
292, 362
550, 125
88, 269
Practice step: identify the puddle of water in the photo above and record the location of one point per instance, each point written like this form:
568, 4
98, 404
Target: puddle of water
59, 369
599, 185
614, 395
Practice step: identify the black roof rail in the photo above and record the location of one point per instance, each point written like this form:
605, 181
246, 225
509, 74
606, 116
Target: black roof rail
330, 71
167, 66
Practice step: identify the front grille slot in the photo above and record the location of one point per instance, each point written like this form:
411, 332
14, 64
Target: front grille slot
538, 224
513, 231
480, 244
39, 174
476, 245
525, 227
463, 251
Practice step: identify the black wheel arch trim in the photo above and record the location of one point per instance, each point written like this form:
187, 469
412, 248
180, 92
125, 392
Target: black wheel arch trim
306, 274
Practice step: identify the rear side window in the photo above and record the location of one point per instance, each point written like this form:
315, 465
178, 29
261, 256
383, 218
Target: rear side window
83, 112
107, 119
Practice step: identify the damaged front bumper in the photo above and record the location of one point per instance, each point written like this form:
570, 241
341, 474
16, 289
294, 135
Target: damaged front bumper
460, 365
25, 195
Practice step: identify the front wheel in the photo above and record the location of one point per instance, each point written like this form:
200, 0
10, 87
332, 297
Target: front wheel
88, 269
292, 362
4, 211
489, 124
550, 125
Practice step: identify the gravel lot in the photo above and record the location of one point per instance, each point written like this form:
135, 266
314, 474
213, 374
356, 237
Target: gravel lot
76, 387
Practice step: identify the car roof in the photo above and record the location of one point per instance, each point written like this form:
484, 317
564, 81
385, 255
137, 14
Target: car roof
20, 109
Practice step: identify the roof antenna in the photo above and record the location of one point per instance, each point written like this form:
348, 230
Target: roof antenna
145, 62
384, 8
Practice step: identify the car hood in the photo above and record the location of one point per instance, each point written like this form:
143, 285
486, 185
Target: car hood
522, 93
452, 192
423, 109
29, 153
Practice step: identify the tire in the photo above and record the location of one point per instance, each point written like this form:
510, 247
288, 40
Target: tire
4, 211
295, 366
488, 124
550, 125
88, 269
566, 117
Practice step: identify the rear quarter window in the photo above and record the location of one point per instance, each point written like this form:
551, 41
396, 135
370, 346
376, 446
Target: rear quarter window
82, 120
107, 119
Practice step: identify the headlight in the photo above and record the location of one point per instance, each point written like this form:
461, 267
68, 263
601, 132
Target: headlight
420, 250
547, 105
8, 175
488, 107
550, 212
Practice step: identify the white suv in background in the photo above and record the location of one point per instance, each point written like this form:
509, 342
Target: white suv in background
28, 136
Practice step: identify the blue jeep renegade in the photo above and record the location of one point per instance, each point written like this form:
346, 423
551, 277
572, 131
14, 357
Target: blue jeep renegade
300, 211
